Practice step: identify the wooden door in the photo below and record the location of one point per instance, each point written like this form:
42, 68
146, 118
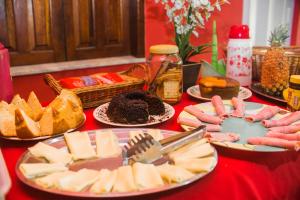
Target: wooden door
97, 28
33, 30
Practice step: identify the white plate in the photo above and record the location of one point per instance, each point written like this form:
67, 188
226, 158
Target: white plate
194, 91
100, 115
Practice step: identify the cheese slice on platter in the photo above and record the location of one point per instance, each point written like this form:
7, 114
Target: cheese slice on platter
105, 182
197, 165
50, 153
51, 180
78, 181
32, 170
125, 180
188, 147
107, 144
146, 176
174, 174
79, 145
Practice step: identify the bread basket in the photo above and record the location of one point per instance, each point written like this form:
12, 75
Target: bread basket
93, 96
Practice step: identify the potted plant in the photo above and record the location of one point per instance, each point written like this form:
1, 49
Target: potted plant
188, 16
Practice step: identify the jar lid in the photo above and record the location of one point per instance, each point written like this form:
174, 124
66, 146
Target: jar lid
164, 49
295, 79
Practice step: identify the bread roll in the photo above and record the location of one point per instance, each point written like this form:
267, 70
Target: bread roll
25, 126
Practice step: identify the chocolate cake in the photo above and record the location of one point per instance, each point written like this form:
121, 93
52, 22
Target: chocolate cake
134, 107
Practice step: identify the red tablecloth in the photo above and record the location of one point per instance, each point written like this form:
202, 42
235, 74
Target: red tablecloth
238, 175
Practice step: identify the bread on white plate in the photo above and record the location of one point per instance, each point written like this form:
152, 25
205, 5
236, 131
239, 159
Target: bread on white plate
125, 180
33, 170
107, 144
25, 126
51, 180
105, 182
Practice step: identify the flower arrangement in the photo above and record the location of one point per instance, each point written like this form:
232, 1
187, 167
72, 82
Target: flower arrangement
188, 16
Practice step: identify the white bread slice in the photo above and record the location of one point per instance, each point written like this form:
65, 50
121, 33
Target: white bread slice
50, 153
107, 144
33, 170
146, 176
46, 122
197, 165
7, 120
25, 126
35, 106
51, 180
22, 104
79, 144
106, 181
125, 180
174, 174
78, 181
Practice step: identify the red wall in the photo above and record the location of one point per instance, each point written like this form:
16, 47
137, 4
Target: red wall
295, 38
159, 30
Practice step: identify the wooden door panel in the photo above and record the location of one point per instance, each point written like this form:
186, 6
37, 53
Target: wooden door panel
33, 30
96, 28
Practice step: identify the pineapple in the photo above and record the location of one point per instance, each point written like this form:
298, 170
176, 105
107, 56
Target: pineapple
275, 66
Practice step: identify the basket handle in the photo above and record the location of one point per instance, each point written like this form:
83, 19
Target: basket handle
52, 82
141, 66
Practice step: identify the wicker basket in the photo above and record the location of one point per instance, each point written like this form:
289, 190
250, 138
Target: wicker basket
93, 96
293, 54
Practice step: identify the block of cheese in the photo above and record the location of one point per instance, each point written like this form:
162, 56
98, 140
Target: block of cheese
32, 170
46, 122
78, 181
125, 180
79, 145
50, 153
35, 105
22, 104
174, 174
197, 165
7, 120
105, 182
107, 144
146, 176
155, 133
51, 180
25, 126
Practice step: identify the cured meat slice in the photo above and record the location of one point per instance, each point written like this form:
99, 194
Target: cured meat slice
276, 142
294, 136
213, 128
266, 113
291, 118
219, 106
222, 137
239, 107
286, 129
195, 123
193, 110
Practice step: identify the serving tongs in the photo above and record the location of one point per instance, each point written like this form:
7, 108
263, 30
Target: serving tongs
143, 148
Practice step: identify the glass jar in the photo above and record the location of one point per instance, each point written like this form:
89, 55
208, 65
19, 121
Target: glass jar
165, 73
292, 93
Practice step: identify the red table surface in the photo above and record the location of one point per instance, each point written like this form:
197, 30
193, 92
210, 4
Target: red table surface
238, 174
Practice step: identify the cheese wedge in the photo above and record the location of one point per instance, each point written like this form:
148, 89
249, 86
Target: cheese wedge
21, 104
50, 153
107, 144
155, 133
146, 176
7, 120
125, 180
197, 165
46, 122
195, 152
79, 145
32, 170
174, 174
78, 181
51, 180
106, 181
25, 126
35, 106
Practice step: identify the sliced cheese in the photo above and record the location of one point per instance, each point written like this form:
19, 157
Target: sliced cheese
125, 181
146, 176
107, 144
25, 126
46, 122
35, 105
174, 174
80, 146
51, 180
188, 147
50, 153
78, 181
106, 181
32, 170
197, 165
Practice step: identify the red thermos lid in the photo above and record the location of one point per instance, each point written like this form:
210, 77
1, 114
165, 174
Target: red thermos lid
239, 32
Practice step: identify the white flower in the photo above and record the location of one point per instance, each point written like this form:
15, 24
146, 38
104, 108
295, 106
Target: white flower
218, 5
178, 4
196, 3
204, 2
